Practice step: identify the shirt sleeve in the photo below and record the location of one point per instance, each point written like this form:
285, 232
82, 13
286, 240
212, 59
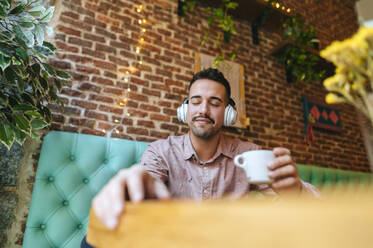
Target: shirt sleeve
154, 164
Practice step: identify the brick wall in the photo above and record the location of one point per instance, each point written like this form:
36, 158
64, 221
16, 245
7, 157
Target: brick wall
97, 42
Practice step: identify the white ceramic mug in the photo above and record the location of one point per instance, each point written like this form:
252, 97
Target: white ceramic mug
255, 165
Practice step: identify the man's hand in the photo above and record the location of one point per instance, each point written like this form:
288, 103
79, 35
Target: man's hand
284, 171
134, 184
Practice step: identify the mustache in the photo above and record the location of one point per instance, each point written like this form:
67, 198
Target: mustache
205, 116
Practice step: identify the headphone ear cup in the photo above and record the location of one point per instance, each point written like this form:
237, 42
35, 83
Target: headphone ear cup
182, 112
230, 116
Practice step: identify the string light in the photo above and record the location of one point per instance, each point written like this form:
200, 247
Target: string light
138, 50
277, 5
139, 8
288, 10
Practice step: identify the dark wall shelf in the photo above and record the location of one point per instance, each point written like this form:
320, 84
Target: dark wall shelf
254, 11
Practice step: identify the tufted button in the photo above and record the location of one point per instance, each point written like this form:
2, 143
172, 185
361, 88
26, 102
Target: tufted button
65, 203
72, 157
106, 161
42, 226
80, 226
50, 179
85, 180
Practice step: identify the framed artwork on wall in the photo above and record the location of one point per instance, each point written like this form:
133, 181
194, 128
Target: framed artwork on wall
234, 73
318, 114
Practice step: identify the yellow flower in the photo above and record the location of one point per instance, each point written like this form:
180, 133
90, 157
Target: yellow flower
334, 82
332, 98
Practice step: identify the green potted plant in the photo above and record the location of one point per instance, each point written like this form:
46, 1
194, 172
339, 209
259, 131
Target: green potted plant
300, 57
28, 82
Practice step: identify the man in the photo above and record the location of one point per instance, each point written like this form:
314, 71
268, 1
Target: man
196, 165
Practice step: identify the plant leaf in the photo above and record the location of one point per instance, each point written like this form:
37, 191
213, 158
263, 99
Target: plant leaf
38, 123
20, 136
4, 61
22, 123
23, 55
39, 34
49, 45
17, 10
47, 15
6, 134
63, 74
49, 69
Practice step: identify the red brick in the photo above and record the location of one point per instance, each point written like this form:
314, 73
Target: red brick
89, 87
153, 78
64, 47
106, 49
87, 69
159, 117
105, 33
160, 135
71, 92
114, 110
96, 115
150, 108
70, 14
82, 122
113, 91
93, 132
169, 127
110, 75
138, 97
137, 113
105, 65
69, 31
92, 53
168, 111
139, 81
100, 98
139, 131
71, 111
78, 77
164, 73
144, 123
79, 42
124, 19
93, 37
151, 92
160, 87
164, 103
118, 61
102, 81
62, 65
173, 82
94, 22
120, 45
78, 58
84, 104
76, 24
108, 20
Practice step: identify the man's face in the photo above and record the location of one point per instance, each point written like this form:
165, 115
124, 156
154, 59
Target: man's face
207, 101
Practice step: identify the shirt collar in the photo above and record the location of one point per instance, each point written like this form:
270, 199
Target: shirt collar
224, 147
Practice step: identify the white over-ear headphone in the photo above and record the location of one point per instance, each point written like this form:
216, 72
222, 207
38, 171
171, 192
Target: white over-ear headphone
230, 114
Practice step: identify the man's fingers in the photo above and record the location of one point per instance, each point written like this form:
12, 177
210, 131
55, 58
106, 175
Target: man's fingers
135, 186
285, 183
109, 203
282, 172
161, 190
280, 151
280, 161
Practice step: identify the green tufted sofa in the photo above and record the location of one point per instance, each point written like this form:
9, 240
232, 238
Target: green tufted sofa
73, 168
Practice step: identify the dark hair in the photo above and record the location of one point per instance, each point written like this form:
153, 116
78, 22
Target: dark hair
214, 75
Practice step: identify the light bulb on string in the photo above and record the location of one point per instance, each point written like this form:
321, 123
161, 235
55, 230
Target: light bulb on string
139, 8
138, 50
277, 5
288, 10
140, 21
143, 30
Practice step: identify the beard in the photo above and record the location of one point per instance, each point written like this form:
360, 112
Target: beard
204, 132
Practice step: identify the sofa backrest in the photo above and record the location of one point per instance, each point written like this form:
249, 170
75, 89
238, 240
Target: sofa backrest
74, 167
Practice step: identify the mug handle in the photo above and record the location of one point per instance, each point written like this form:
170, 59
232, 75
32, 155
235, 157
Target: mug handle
237, 159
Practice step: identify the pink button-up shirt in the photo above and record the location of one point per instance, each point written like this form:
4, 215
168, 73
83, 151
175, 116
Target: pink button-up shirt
175, 162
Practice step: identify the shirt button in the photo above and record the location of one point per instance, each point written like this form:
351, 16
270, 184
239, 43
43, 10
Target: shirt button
206, 191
